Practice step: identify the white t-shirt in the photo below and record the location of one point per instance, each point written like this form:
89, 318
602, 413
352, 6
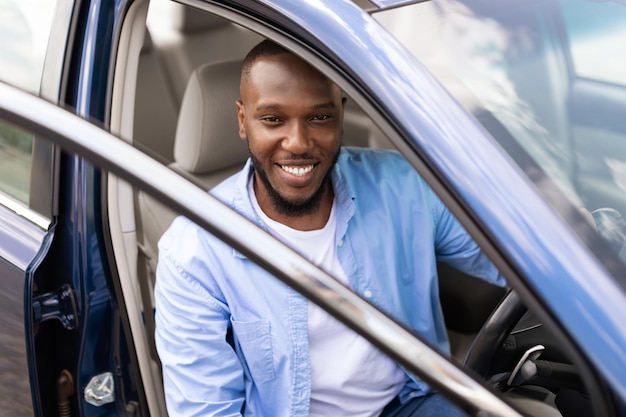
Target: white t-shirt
350, 377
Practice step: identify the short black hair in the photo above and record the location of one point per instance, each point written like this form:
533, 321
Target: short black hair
263, 49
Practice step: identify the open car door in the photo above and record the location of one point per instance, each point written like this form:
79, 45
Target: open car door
78, 137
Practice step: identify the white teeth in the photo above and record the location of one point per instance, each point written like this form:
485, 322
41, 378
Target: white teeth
297, 171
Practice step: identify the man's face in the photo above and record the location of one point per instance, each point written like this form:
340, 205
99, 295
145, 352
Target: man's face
292, 118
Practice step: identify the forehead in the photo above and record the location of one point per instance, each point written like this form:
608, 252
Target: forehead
286, 76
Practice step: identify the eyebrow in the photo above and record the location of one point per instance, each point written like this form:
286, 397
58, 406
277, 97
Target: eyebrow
274, 107
327, 105
266, 107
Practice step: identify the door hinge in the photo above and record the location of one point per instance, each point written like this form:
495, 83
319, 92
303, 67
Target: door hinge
60, 305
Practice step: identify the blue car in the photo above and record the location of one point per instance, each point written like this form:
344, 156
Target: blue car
116, 116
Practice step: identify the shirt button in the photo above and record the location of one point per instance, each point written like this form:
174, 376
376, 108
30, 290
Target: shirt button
340, 243
367, 294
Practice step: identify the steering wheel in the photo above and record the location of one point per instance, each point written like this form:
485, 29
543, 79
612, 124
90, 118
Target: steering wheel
493, 333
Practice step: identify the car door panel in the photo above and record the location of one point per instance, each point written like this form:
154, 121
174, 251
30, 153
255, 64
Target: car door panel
21, 238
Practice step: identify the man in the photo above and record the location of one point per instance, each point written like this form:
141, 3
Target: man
233, 340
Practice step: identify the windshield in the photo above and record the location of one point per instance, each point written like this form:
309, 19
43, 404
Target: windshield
547, 79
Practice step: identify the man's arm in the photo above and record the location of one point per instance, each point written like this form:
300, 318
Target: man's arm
454, 246
201, 373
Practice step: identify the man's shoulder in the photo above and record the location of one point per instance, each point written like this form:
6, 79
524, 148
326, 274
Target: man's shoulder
227, 190
184, 230
369, 162
181, 230
369, 154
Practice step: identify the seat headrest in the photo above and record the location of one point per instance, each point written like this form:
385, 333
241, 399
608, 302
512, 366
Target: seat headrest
207, 137
187, 19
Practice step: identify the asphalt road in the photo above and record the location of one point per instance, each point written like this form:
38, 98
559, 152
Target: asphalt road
15, 395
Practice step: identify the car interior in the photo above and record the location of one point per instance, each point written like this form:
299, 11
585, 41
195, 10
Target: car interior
176, 82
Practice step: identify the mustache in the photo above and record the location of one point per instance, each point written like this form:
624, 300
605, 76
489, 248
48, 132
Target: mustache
296, 156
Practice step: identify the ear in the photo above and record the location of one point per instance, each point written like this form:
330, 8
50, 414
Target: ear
241, 118
344, 99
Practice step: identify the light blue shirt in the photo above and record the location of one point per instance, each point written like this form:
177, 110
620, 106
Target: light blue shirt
391, 229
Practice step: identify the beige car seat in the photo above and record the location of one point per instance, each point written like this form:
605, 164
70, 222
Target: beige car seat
207, 146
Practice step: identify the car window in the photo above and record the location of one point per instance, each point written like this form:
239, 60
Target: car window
547, 80
15, 161
595, 36
24, 32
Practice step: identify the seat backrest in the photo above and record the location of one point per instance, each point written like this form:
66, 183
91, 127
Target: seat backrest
207, 147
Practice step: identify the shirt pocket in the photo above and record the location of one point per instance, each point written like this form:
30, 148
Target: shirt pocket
254, 341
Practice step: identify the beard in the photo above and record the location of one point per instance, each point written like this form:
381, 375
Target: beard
298, 207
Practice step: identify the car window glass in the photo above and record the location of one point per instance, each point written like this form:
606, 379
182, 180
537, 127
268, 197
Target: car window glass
595, 36
525, 70
24, 32
15, 161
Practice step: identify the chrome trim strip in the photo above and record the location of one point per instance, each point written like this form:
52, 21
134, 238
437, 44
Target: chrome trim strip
21, 210
118, 157
393, 4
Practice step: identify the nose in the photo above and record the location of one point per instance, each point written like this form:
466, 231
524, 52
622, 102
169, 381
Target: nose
297, 139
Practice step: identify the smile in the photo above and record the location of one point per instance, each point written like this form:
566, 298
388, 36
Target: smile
297, 171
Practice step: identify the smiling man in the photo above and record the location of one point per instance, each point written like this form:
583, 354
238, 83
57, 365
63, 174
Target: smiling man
292, 117
232, 339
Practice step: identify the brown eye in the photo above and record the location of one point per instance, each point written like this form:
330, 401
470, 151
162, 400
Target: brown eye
321, 117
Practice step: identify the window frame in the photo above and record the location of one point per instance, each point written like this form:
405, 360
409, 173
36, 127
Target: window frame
44, 183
